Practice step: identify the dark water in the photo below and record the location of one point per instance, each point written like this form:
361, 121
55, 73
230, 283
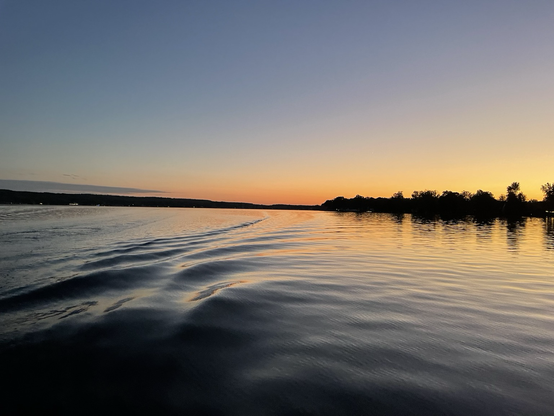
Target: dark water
228, 312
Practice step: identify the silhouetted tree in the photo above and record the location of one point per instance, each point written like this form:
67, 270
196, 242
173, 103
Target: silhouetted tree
397, 203
334, 204
513, 191
360, 203
483, 204
548, 191
535, 208
424, 194
453, 204
425, 202
467, 195
515, 200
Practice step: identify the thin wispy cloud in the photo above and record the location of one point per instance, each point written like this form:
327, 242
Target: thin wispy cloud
72, 176
43, 186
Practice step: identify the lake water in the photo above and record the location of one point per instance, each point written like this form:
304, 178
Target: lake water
239, 312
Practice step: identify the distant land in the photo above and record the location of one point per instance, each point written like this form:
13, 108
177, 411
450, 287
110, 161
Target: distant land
49, 198
448, 204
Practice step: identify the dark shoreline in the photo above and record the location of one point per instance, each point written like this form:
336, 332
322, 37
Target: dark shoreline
48, 198
449, 205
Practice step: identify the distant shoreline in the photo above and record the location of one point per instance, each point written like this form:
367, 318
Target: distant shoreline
424, 204
49, 198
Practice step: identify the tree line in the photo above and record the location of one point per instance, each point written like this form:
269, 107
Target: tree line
452, 204
424, 203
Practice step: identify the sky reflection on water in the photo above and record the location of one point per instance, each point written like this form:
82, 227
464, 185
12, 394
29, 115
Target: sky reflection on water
274, 312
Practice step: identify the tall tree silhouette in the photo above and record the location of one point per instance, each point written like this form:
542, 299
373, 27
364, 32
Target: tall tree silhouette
515, 200
548, 191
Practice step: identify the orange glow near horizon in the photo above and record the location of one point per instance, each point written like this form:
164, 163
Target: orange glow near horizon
453, 98
317, 196
314, 185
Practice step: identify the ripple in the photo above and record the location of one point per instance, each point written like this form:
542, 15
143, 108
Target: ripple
157, 311
211, 290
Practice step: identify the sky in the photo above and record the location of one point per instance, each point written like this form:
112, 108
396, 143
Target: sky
277, 101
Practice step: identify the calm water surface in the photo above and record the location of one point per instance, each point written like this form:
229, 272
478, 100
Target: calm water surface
231, 312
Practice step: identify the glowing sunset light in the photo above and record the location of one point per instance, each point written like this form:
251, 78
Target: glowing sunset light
278, 102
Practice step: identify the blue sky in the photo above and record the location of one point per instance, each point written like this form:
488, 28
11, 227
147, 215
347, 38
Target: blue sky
283, 101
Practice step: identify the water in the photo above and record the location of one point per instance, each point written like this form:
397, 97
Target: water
232, 312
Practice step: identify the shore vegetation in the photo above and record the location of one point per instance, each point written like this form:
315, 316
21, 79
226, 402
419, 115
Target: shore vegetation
452, 204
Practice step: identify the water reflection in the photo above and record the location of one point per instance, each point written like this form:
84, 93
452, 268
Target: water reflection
424, 219
514, 232
549, 233
398, 218
319, 313
405, 230
484, 230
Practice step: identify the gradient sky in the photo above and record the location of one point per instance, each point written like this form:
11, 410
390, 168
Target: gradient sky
278, 101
